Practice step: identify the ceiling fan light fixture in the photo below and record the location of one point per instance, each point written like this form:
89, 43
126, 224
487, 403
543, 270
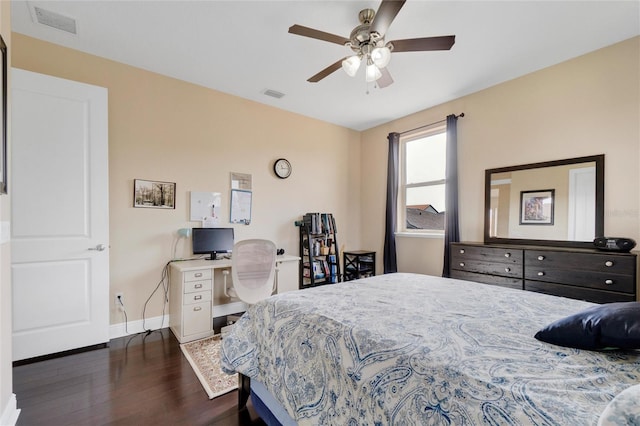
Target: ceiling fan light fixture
351, 65
381, 56
372, 73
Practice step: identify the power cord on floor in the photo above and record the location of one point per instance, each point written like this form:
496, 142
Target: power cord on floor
124, 311
164, 282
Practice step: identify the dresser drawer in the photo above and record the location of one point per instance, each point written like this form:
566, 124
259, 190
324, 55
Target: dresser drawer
582, 278
200, 274
198, 297
580, 293
487, 267
515, 283
192, 286
596, 262
461, 252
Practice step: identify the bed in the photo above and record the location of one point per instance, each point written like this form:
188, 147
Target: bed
415, 349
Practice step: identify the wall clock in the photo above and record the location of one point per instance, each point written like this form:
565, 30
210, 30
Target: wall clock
282, 168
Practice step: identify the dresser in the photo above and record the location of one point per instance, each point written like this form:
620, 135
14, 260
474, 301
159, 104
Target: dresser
586, 274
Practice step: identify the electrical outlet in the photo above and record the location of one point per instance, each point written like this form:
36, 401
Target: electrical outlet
119, 300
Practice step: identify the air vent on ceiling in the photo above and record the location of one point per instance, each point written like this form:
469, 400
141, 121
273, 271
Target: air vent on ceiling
55, 20
273, 93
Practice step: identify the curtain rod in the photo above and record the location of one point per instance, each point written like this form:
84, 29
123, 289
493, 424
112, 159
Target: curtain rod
430, 124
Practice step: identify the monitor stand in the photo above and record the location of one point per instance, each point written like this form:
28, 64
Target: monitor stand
212, 256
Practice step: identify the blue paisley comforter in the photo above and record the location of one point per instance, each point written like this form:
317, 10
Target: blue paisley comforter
406, 349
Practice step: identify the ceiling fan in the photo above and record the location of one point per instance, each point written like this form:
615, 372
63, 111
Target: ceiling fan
367, 41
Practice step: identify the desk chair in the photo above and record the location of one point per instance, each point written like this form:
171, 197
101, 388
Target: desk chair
253, 269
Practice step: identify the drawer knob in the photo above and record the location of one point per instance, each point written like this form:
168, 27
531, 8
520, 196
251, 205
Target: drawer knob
197, 308
198, 297
198, 274
608, 282
507, 269
461, 263
540, 257
507, 255
540, 274
198, 286
461, 251
608, 263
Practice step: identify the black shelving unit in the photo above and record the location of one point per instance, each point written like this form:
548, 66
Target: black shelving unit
359, 264
320, 261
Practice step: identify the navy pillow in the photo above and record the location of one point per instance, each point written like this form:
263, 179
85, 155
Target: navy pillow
611, 325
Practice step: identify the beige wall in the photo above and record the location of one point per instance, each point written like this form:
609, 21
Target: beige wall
586, 106
7, 403
169, 130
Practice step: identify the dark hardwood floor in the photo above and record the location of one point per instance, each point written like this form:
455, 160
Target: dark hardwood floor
138, 380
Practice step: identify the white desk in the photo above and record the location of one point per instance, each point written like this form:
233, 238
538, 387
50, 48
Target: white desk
196, 294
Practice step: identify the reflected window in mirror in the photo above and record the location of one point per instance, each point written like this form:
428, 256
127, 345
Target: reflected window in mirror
551, 203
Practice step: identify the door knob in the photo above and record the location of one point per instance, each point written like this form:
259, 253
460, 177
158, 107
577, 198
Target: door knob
99, 247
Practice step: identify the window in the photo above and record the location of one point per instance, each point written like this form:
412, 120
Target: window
422, 181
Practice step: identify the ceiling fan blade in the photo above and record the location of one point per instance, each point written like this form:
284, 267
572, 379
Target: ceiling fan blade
423, 44
385, 80
385, 15
320, 35
325, 72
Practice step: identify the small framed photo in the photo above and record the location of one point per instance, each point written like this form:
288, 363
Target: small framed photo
154, 194
536, 207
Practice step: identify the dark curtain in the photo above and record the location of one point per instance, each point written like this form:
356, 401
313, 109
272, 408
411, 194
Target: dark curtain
389, 258
451, 228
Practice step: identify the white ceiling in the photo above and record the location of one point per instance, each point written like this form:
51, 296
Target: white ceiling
243, 48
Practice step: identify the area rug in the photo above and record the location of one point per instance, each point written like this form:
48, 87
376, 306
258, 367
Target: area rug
204, 357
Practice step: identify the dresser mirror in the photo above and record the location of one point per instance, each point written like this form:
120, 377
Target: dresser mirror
554, 203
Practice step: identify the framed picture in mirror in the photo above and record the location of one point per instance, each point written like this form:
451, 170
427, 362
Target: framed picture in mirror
536, 207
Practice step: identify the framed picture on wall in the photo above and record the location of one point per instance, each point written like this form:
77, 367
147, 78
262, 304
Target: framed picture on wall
536, 207
3, 117
154, 194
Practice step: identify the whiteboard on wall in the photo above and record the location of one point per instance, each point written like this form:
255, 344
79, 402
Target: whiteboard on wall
205, 206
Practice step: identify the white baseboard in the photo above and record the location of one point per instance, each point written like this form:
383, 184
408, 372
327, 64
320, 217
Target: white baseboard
10, 413
133, 327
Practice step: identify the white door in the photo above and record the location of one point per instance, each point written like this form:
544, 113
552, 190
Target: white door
59, 211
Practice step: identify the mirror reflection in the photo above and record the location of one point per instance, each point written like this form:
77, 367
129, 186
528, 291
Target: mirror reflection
553, 201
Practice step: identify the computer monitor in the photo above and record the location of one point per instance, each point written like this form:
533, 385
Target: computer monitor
212, 241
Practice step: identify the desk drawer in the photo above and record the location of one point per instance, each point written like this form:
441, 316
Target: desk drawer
193, 286
198, 297
200, 274
197, 319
